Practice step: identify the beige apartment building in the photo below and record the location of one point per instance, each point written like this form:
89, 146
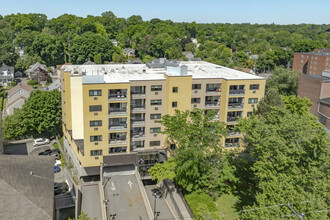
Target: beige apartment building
113, 109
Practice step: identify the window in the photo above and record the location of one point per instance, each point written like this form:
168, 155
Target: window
172, 146
232, 142
254, 86
253, 100
95, 123
196, 86
156, 88
154, 143
155, 130
174, 104
156, 102
175, 89
195, 100
95, 108
95, 92
96, 138
249, 114
155, 116
96, 152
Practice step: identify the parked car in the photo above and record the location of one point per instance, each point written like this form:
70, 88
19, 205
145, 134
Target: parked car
58, 163
60, 188
46, 152
40, 141
57, 169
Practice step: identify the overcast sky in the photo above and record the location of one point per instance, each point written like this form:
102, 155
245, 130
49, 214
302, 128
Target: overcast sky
201, 11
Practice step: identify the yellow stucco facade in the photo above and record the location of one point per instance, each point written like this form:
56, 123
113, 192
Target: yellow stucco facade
105, 118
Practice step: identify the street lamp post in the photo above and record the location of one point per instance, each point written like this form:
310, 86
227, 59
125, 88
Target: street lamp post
156, 214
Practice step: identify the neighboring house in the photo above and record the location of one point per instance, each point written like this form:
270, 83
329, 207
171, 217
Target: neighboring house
6, 74
38, 72
317, 89
55, 85
189, 55
17, 96
27, 187
130, 52
312, 63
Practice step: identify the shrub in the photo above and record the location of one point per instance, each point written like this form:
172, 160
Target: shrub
32, 82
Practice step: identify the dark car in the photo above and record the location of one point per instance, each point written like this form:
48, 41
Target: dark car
57, 169
60, 188
46, 152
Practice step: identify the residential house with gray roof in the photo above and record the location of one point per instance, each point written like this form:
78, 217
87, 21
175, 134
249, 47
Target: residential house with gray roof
17, 96
6, 74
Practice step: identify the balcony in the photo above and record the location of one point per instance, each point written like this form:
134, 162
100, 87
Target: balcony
236, 92
138, 91
233, 133
117, 141
138, 108
117, 94
232, 145
136, 145
138, 121
235, 105
213, 88
212, 104
117, 111
138, 135
113, 150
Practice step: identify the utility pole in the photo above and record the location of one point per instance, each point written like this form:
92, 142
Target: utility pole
300, 217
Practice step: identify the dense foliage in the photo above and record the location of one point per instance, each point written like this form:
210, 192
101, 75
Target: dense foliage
74, 39
288, 162
40, 115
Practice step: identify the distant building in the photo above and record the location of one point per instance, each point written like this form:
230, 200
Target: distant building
89, 62
189, 55
129, 52
38, 72
114, 42
317, 89
312, 63
56, 85
18, 74
26, 187
17, 96
6, 74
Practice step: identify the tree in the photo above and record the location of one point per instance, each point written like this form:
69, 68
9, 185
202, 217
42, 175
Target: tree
288, 163
42, 113
12, 126
285, 81
118, 58
199, 158
266, 105
88, 45
166, 170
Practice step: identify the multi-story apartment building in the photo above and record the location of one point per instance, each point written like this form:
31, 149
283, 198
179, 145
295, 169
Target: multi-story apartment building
312, 63
113, 109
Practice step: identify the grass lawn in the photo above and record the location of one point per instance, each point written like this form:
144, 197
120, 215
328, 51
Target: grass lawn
226, 204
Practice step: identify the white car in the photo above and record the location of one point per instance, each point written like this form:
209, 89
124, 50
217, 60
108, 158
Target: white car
40, 141
58, 163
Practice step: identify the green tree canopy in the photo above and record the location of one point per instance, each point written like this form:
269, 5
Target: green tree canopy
285, 81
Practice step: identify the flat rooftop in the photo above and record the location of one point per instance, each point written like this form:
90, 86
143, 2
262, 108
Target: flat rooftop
121, 73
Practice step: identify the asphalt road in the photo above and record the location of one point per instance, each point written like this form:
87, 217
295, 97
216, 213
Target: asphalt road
162, 209
125, 199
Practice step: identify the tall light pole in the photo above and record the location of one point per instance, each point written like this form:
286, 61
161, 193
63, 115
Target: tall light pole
156, 214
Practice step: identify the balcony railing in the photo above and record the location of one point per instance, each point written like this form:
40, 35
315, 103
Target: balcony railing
212, 104
232, 119
237, 92
118, 141
235, 105
213, 90
117, 111
138, 121
233, 133
138, 94
117, 97
136, 147
138, 135
119, 126
138, 108
231, 144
